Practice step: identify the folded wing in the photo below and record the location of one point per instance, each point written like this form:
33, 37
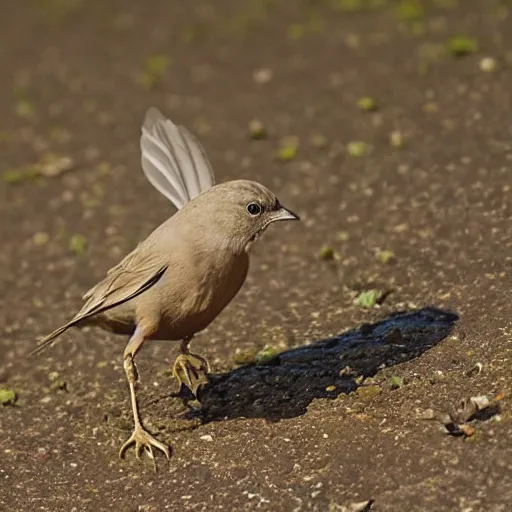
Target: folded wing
136, 273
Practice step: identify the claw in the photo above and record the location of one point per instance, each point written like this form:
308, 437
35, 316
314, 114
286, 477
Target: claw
143, 440
191, 370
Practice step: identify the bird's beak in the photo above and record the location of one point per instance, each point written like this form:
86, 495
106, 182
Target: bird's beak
284, 214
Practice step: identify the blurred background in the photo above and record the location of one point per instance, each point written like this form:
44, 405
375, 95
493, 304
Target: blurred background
384, 123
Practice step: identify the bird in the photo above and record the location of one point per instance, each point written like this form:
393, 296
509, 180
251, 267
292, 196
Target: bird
180, 278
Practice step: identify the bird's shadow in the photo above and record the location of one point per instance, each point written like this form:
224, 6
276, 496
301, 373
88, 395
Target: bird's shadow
286, 385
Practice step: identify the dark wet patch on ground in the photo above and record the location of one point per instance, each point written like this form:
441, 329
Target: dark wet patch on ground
289, 382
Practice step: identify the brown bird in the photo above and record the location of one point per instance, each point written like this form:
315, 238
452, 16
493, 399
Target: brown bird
176, 282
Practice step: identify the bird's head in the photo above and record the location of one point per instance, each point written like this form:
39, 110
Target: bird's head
237, 212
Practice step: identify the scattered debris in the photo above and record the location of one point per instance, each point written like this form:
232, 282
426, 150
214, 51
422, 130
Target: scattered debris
262, 75
361, 506
257, 129
59, 385
385, 256
266, 354
396, 382
369, 298
474, 370
202, 126
40, 238
153, 71
18, 175
50, 166
327, 253
459, 46
367, 104
342, 236
357, 148
245, 356
473, 408
25, 109
410, 10
78, 244
7, 396
288, 149
368, 392
318, 141
396, 139
347, 371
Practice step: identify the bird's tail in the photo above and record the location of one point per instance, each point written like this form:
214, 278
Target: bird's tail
50, 339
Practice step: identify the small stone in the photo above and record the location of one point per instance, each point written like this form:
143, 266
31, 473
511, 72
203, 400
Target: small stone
367, 104
396, 382
53, 376
488, 64
385, 256
357, 148
257, 130
206, 437
326, 253
52, 165
262, 75
39, 239
342, 236
396, 139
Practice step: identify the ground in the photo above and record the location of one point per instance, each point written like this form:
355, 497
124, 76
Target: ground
391, 140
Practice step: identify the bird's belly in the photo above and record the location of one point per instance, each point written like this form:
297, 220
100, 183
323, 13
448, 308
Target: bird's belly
200, 303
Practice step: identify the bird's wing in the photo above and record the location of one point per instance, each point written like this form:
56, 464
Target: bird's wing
173, 160
136, 273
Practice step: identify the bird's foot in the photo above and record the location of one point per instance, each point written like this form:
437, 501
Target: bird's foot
191, 370
143, 440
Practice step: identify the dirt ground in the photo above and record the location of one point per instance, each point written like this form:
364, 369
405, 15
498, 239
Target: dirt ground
407, 192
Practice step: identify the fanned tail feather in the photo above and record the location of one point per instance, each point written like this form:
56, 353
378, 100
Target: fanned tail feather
173, 160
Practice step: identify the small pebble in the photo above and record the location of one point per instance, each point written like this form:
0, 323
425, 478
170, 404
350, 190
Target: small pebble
357, 148
40, 239
326, 253
367, 104
396, 139
488, 64
257, 129
262, 75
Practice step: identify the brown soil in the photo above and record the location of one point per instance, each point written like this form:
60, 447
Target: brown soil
290, 433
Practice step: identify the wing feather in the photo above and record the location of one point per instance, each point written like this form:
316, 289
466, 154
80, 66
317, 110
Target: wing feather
133, 276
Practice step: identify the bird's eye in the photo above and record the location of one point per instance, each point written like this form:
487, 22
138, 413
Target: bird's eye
254, 208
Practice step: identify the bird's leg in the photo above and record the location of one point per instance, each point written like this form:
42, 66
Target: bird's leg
140, 437
190, 369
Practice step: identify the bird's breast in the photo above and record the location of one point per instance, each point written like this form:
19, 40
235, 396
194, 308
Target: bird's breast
202, 288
